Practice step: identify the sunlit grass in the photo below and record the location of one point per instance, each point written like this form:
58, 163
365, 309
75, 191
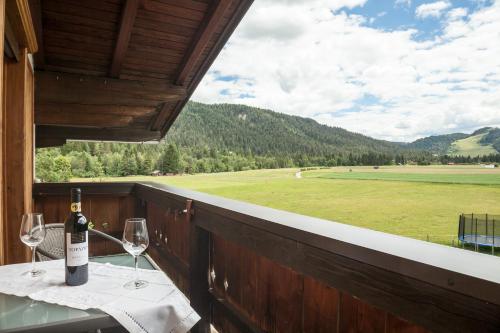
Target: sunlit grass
418, 202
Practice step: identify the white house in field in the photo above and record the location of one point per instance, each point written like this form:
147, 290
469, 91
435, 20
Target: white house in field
489, 166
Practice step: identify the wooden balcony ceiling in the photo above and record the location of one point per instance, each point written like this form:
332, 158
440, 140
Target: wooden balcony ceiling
122, 69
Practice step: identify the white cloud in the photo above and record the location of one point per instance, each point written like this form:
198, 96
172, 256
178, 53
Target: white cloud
433, 9
313, 63
403, 3
457, 13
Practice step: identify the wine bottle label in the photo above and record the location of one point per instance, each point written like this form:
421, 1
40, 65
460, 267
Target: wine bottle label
77, 249
76, 207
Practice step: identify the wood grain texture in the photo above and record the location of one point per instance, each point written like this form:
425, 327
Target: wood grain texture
44, 132
245, 279
204, 35
106, 212
19, 15
54, 87
3, 227
153, 41
125, 31
18, 132
36, 14
355, 272
321, 307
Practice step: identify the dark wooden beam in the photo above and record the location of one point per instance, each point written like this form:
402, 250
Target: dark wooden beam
82, 119
121, 189
55, 87
221, 41
36, 14
116, 110
166, 111
44, 132
48, 142
127, 23
11, 43
203, 36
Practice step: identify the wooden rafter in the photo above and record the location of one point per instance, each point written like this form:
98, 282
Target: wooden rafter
82, 119
203, 36
47, 132
166, 113
209, 59
36, 14
115, 110
127, 23
54, 87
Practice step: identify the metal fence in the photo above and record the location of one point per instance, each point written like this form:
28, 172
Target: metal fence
479, 229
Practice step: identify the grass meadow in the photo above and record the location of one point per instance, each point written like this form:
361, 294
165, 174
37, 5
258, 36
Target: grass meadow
421, 202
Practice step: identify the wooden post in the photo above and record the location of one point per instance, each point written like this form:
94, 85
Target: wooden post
18, 152
2, 148
199, 249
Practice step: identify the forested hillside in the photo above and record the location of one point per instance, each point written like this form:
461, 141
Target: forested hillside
492, 138
437, 144
240, 128
226, 137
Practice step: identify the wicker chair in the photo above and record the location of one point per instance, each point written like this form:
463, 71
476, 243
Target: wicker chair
53, 245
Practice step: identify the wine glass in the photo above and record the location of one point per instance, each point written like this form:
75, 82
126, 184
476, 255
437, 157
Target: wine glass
135, 240
32, 233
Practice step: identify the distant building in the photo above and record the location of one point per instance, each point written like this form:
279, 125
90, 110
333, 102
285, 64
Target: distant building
489, 166
156, 173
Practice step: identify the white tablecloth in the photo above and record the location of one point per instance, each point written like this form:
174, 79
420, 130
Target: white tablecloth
160, 307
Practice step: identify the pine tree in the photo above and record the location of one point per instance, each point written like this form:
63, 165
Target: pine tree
171, 160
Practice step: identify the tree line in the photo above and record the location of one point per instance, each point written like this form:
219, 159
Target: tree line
225, 137
104, 159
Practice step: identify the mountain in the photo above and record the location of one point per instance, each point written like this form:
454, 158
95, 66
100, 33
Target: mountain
239, 128
437, 144
492, 138
481, 142
228, 137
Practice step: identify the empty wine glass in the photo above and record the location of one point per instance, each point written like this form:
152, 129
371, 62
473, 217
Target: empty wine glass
135, 240
32, 233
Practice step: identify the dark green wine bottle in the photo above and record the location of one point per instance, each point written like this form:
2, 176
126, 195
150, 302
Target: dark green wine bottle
76, 244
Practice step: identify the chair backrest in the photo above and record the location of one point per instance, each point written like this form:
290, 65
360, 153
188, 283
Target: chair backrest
53, 243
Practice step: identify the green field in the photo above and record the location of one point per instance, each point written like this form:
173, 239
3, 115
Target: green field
417, 202
471, 147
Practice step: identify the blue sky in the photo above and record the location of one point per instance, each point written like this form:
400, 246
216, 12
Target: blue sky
393, 15
392, 69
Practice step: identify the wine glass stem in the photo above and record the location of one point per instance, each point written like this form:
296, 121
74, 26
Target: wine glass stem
33, 251
136, 258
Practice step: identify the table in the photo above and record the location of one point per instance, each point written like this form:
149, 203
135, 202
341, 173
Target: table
21, 314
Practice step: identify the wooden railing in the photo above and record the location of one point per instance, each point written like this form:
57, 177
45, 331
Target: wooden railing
248, 268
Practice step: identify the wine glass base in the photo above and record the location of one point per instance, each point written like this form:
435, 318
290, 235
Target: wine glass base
35, 273
136, 284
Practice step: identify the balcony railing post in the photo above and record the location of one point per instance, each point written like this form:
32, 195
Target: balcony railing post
199, 248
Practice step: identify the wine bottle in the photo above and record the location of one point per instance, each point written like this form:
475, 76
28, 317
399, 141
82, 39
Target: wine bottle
76, 248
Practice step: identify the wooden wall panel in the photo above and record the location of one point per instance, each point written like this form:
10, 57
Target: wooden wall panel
18, 154
321, 307
107, 213
169, 242
273, 298
359, 317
